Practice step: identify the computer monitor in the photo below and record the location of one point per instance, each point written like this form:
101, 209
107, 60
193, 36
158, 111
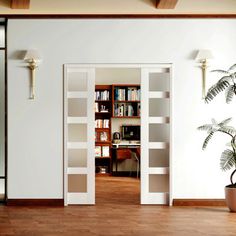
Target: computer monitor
130, 132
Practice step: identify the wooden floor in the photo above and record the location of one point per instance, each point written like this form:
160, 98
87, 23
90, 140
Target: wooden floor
117, 212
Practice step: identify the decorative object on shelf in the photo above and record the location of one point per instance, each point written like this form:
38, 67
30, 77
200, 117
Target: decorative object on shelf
203, 56
228, 156
32, 57
227, 82
116, 137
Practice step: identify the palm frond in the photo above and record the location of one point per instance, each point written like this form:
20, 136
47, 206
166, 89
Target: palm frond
205, 127
221, 71
226, 78
207, 139
228, 130
229, 94
216, 89
225, 122
227, 160
232, 67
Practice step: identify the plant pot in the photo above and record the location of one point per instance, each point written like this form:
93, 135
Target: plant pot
230, 197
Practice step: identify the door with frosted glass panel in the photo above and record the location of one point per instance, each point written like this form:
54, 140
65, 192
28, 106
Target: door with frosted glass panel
155, 138
79, 145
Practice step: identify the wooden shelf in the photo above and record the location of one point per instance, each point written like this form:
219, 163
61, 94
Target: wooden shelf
100, 157
102, 100
103, 142
126, 101
103, 103
105, 129
126, 117
103, 113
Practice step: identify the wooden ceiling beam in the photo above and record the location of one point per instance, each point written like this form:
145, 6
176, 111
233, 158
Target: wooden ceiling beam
20, 4
166, 4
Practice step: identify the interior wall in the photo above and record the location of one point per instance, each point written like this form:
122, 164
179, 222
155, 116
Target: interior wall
35, 158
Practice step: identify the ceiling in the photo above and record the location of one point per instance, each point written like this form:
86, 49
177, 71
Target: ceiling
119, 7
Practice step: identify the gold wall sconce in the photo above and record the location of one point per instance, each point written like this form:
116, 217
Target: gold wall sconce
203, 56
32, 57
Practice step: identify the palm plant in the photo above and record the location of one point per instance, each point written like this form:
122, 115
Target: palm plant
228, 156
227, 83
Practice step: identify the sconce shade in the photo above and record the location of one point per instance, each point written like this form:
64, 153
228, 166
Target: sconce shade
204, 54
32, 55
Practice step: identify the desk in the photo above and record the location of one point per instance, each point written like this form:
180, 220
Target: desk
123, 151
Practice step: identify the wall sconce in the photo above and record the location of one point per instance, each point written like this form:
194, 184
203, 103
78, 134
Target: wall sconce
32, 57
202, 57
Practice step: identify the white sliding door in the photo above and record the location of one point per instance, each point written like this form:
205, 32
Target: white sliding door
79, 145
155, 135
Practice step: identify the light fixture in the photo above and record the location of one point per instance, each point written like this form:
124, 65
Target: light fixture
203, 56
32, 57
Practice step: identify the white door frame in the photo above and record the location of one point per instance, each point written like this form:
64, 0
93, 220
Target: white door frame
131, 65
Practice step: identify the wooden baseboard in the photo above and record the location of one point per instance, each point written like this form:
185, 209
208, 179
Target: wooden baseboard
199, 202
35, 202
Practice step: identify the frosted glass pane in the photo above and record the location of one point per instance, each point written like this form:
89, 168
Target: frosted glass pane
77, 183
159, 132
2, 114
158, 183
159, 82
77, 132
77, 157
77, 107
2, 36
158, 157
77, 81
2, 189
159, 107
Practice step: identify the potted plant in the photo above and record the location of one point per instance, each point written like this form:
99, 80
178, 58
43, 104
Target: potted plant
226, 83
228, 156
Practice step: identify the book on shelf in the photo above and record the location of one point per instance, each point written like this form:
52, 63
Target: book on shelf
119, 94
102, 95
98, 151
96, 107
124, 109
133, 94
102, 123
105, 151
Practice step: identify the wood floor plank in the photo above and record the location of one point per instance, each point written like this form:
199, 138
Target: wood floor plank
117, 213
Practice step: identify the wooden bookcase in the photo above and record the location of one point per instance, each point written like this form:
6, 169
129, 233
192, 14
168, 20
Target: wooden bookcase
126, 101
103, 109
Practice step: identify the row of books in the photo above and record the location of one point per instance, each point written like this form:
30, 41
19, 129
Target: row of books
102, 151
124, 109
130, 94
102, 95
102, 123
134, 94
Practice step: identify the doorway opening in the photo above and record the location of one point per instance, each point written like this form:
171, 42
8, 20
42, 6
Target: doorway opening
117, 135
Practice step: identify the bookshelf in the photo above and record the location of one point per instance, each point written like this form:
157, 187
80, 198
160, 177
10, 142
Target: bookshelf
126, 101
103, 107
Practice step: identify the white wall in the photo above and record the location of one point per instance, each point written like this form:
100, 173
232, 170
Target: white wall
35, 127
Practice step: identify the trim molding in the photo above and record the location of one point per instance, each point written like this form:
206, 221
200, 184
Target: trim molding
35, 202
199, 202
113, 16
